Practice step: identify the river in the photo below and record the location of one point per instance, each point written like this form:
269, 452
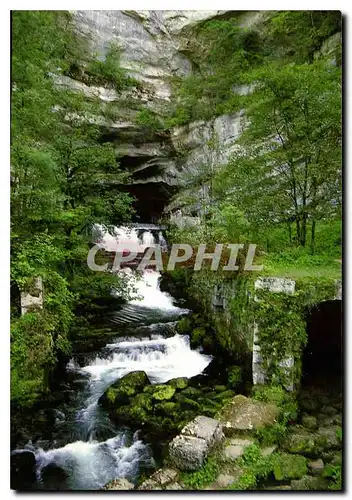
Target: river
88, 449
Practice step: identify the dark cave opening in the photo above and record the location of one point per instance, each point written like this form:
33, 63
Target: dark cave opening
150, 200
322, 362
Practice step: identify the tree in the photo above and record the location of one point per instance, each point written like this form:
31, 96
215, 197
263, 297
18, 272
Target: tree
64, 178
288, 165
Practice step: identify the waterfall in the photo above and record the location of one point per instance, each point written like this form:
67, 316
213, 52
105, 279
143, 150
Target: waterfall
99, 451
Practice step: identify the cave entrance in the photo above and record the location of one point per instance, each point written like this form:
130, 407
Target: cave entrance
150, 200
322, 358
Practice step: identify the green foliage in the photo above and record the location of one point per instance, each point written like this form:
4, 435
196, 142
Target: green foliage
222, 51
286, 466
251, 454
301, 33
184, 325
288, 172
202, 477
32, 355
334, 472
61, 175
149, 120
256, 468
234, 376
108, 72
247, 481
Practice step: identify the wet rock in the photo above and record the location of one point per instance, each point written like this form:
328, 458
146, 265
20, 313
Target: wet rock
120, 392
119, 484
189, 449
236, 448
309, 422
300, 441
54, 477
309, 404
173, 486
325, 421
165, 476
268, 450
224, 480
309, 483
178, 383
247, 414
328, 410
23, 466
162, 392
337, 459
328, 437
149, 485
316, 466
187, 452
288, 466
281, 487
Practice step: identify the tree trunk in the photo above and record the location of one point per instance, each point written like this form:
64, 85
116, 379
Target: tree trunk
303, 230
312, 240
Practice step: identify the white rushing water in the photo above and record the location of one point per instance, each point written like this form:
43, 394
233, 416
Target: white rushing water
88, 463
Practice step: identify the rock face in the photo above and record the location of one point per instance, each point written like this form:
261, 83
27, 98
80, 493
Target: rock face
189, 449
245, 414
119, 484
162, 479
154, 48
236, 448
32, 298
151, 49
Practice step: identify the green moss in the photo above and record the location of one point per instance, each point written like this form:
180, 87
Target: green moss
247, 481
202, 477
184, 325
110, 395
286, 466
234, 376
162, 392
121, 391
178, 383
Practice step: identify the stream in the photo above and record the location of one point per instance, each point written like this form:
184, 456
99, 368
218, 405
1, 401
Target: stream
87, 449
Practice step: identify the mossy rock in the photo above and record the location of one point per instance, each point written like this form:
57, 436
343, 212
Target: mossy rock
192, 392
224, 396
309, 422
161, 392
178, 383
168, 408
144, 401
220, 388
187, 402
286, 466
184, 325
133, 414
246, 414
309, 483
121, 391
302, 442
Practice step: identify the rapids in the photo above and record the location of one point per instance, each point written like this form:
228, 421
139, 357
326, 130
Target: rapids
97, 451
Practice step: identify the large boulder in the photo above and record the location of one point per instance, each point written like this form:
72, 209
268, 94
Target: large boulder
22, 470
189, 449
309, 483
301, 441
245, 414
288, 466
119, 484
127, 386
